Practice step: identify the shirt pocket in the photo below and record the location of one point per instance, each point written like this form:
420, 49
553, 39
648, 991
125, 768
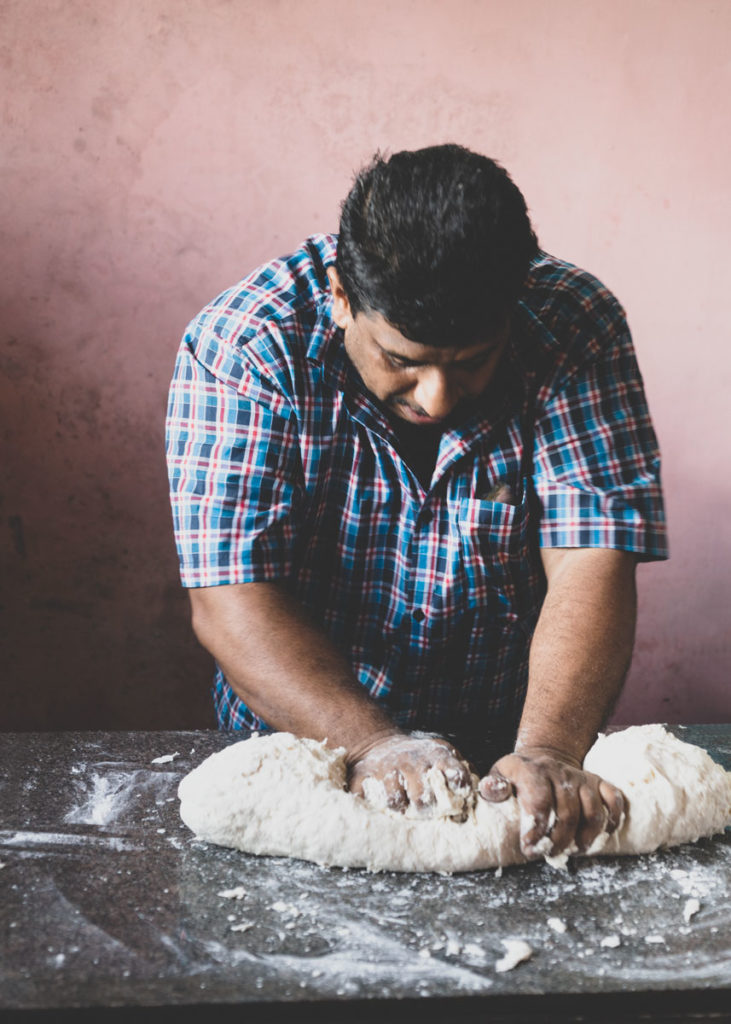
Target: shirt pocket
499, 565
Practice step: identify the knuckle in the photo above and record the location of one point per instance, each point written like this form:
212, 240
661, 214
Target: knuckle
396, 797
568, 827
595, 819
540, 824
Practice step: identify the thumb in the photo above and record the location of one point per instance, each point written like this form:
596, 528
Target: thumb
495, 787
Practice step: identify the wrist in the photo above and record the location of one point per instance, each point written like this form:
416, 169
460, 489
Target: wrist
358, 750
536, 749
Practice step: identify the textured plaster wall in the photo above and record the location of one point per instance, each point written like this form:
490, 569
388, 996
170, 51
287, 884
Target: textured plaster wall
152, 152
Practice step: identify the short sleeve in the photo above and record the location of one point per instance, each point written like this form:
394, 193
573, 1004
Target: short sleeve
235, 474
596, 459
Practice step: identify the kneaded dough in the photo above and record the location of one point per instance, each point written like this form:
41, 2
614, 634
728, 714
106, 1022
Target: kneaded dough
286, 797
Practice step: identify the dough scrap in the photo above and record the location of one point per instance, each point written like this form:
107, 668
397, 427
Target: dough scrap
285, 797
691, 908
516, 951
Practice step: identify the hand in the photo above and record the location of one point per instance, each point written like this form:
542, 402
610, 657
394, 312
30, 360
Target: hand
417, 774
560, 804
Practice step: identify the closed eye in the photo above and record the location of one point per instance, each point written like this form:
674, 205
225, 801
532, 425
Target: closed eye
401, 362
477, 362
461, 365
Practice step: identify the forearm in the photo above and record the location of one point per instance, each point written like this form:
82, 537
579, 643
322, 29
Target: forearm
284, 668
581, 649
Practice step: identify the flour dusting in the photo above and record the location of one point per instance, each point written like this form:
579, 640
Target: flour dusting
106, 797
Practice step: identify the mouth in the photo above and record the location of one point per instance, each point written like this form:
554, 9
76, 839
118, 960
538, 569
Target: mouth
408, 412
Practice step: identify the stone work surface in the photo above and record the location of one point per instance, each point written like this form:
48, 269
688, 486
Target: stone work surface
107, 900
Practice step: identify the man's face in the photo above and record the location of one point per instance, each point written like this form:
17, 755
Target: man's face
417, 383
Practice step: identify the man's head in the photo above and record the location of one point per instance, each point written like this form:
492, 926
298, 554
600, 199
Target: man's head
434, 249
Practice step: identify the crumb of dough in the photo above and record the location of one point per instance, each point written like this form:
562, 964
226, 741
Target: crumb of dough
165, 758
611, 941
286, 908
557, 924
655, 939
692, 906
516, 951
233, 894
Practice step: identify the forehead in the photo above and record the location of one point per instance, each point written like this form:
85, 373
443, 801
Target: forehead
381, 334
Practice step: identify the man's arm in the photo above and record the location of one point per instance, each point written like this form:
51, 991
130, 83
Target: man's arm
579, 657
289, 673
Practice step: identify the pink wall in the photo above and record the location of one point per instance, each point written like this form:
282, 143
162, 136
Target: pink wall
153, 152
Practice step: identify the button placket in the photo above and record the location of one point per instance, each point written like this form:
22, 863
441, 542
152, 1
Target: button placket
419, 587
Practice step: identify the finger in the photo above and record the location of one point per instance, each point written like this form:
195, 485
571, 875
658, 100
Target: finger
537, 808
421, 780
455, 771
420, 792
444, 756
536, 822
397, 798
417, 780
535, 798
567, 813
594, 816
355, 781
458, 778
615, 803
494, 787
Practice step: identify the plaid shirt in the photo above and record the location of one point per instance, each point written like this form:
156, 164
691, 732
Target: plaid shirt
283, 468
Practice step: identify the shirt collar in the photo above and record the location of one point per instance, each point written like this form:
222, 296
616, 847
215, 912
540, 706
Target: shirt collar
326, 349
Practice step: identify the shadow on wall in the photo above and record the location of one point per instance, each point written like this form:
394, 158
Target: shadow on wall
96, 627
680, 667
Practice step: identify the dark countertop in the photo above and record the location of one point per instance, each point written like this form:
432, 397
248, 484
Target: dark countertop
108, 901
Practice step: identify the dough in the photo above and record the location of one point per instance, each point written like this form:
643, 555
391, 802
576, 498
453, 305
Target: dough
516, 951
286, 797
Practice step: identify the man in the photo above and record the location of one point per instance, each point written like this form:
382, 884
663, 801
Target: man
412, 470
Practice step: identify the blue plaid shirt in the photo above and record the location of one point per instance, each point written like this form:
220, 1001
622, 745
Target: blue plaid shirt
282, 468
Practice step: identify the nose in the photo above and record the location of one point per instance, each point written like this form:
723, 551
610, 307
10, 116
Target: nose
435, 393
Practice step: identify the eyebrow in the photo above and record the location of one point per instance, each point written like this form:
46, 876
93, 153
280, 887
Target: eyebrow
482, 354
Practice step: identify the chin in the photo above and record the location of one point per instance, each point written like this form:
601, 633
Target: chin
411, 416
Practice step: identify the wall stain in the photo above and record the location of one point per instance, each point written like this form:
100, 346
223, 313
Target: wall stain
17, 533
60, 604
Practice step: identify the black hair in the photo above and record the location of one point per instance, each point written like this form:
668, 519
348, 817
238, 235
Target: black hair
436, 240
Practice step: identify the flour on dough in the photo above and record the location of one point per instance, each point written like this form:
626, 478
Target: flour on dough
286, 797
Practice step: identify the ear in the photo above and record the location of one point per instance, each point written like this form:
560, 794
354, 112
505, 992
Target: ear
341, 307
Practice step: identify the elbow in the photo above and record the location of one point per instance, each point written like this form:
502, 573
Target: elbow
200, 617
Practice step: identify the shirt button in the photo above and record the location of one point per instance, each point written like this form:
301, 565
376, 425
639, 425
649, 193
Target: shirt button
426, 517
418, 615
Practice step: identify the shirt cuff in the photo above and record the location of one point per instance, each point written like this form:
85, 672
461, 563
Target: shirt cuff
625, 519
